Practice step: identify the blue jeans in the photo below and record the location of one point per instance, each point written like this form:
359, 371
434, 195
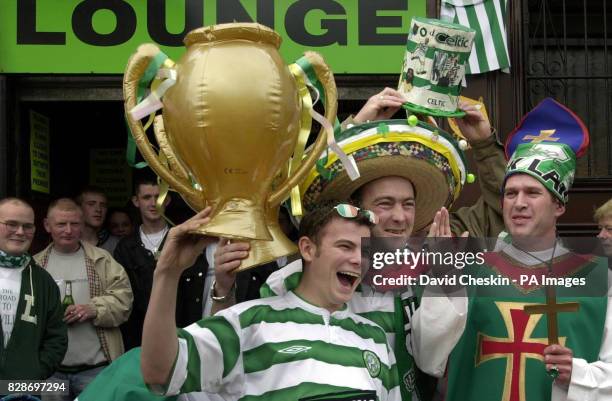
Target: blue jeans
76, 383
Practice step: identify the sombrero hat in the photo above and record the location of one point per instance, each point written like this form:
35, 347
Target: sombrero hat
428, 157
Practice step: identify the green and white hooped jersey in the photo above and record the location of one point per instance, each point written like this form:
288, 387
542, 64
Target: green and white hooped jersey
384, 309
283, 348
377, 307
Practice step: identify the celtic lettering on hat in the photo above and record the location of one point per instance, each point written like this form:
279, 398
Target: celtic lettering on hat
551, 176
552, 164
513, 164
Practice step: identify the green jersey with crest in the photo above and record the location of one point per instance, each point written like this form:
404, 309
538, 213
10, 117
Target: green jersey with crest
392, 312
283, 348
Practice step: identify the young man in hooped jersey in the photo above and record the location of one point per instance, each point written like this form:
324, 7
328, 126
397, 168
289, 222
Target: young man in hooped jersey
305, 344
405, 203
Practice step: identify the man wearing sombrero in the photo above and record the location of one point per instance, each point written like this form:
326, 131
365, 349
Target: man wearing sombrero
441, 180
508, 341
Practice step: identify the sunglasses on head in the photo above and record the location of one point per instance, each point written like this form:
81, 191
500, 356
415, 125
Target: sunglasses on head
350, 212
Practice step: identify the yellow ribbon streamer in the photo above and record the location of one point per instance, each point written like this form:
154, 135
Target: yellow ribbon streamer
164, 189
305, 127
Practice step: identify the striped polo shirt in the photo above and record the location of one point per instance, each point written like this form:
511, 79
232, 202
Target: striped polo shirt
379, 307
283, 348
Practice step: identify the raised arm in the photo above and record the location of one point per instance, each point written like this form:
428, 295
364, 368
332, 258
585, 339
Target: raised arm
159, 340
381, 106
483, 219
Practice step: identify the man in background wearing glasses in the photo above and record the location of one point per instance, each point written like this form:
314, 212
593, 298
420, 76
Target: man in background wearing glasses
34, 338
305, 344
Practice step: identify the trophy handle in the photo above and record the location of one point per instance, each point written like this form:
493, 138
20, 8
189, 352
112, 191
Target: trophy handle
326, 78
196, 203
166, 149
137, 65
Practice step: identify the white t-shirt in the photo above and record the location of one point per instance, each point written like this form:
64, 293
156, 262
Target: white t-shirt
153, 241
10, 288
83, 343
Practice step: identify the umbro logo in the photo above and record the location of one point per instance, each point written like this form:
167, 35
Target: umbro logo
294, 349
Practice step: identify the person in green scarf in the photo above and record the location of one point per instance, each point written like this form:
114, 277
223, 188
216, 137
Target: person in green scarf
33, 336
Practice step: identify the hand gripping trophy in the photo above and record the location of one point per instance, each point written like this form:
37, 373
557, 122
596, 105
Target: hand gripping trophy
231, 116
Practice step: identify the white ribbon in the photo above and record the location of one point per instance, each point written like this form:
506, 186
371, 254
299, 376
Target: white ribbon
348, 162
152, 103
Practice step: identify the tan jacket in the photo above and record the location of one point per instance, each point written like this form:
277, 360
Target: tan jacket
110, 293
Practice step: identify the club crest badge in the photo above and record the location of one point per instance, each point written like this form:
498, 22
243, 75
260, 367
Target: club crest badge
372, 363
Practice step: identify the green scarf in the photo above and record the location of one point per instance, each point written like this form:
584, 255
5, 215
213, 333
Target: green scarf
13, 262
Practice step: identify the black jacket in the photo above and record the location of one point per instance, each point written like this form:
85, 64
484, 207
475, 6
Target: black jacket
139, 264
39, 339
249, 281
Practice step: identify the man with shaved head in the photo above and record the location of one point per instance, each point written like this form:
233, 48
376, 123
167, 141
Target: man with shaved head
101, 292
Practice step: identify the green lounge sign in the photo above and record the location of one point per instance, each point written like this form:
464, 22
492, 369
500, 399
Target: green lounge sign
98, 36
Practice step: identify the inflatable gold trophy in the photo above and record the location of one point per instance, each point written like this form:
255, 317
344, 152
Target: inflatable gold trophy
231, 117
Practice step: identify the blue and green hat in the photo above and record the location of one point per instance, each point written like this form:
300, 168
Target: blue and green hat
545, 145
